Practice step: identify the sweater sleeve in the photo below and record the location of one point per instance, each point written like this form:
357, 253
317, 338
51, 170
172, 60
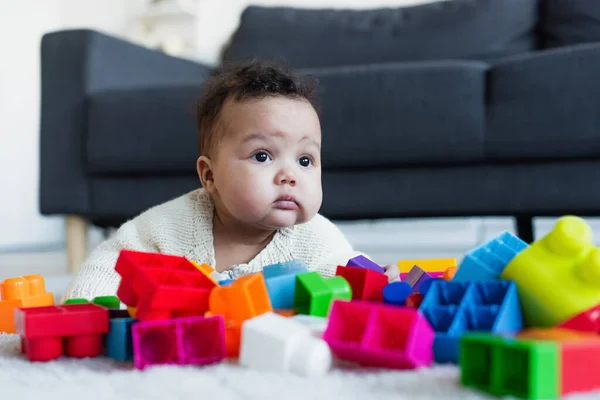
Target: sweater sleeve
97, 276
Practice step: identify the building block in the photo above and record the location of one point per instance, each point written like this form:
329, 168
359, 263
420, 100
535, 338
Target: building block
281, 284
535, 364
293, 267
76, 329
118, 344
396, 293
414, 300
245, 298
317, 325
429, 265
21, 292
586, 321
365, 284
487, 261
314, 294
558, 276
455, 307
449, 274
509, 367
285, 312
114, 313
416, 277
181, 341
111, 302
225, 282
207, 270
76, 301
379, 335
364, 262
274, 343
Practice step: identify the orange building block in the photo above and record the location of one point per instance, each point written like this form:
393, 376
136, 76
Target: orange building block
245, 298
23, 292
286, 312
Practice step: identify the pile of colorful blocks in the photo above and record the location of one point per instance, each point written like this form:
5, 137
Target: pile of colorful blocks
519, 320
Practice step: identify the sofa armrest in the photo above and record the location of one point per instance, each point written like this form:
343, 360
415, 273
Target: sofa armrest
75, 64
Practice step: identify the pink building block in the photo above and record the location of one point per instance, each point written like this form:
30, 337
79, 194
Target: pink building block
181, 341
379, 335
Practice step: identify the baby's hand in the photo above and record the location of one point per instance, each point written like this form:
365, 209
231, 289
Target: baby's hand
392, 272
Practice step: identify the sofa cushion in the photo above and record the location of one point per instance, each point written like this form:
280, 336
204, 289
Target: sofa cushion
403, 114
142, 130
545, 105
464, 29
566, 22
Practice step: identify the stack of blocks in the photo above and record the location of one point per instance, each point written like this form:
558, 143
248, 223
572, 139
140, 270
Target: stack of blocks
518, 319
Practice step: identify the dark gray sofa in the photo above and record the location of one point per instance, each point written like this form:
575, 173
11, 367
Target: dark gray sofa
467, 108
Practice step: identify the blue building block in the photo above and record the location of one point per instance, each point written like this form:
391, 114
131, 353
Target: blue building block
281, 290
455, 307
225, 282
487, 262
396, 293
118, 344
286, 268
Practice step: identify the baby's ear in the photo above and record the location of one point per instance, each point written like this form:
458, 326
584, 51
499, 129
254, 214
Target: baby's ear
203, 167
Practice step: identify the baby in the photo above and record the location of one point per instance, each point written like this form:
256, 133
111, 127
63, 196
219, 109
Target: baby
260, 169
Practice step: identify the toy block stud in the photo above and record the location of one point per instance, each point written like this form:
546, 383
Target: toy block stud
245, 298
77, 301
111, 302
396, 293
487, 261
293, 267
364, 262
379, 335
181, 341
79, 329
275, 343
314, 294
433, 266
365, 284
23, 292
558, 276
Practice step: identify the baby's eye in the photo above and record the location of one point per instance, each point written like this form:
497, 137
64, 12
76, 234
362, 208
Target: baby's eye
261, 157
304, 161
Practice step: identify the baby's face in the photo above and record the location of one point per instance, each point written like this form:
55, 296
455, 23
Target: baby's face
267, 166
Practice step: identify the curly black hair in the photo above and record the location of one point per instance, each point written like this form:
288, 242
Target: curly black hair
243, 80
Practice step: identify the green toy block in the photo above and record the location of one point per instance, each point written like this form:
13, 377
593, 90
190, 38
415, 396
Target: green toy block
111, 302
76, 301
503, 366
314, 294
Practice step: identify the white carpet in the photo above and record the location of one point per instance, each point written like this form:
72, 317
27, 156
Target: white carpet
105, 379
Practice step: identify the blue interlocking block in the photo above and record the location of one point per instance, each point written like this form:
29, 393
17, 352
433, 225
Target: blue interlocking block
118, 341
455, 307
285, 268
225, 282
396, 293
487, 262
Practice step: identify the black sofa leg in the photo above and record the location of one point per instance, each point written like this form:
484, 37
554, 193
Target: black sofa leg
525, 228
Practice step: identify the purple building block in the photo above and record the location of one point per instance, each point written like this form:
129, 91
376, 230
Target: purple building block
379, 335
364, 262
415, 277
181, 341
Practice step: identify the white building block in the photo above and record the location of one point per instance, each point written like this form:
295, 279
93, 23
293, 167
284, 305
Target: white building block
276, 343
316, 324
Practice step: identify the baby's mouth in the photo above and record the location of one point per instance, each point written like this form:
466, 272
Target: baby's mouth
286, 202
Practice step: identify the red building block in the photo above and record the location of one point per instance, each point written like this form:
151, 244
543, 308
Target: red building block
587, 321
366, 284
75, 330
166, 287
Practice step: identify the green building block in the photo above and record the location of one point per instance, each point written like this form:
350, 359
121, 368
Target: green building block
504, 366
314, 294
76, 301
111, 302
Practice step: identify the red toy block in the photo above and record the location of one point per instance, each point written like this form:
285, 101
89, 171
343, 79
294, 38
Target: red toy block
366, 284
587, 321
414, 300
77, 330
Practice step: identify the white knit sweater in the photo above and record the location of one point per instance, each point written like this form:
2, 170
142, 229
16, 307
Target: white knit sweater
183, 226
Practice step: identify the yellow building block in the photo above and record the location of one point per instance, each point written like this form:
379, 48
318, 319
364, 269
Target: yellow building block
558, 276
427, 264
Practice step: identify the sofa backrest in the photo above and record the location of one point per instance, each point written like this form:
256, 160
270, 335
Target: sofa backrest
483, 30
